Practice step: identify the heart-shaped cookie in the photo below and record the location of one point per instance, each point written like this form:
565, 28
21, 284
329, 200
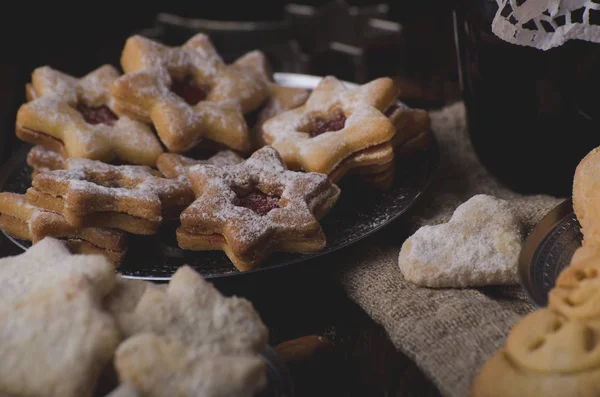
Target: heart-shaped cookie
479, 246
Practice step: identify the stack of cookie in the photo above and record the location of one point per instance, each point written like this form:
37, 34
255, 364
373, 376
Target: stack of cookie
119, 154
340, 131
71, 327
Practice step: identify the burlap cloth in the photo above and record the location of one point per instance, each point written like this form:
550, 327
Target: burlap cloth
449, 333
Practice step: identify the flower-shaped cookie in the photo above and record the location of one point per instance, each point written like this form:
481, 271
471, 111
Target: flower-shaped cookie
77, 118
254, 208
333, 124
547, 342
553, 351
577, 290
187, 92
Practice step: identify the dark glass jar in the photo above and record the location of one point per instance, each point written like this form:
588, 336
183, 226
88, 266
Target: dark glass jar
532, 114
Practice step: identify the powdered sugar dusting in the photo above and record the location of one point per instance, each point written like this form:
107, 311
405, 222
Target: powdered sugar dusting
16, 205
198, 59
55, 113
180, 125
256, 62
47, 81
289, 132
93, 88
215, 208
282, 99
40, 154
176, 166
479, 246
146, 87
95, 178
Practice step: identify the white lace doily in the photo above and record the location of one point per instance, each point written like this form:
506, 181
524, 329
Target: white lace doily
545, 24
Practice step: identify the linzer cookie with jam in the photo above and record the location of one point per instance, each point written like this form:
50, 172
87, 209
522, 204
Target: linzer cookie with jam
25, 221
132, 198
412, 134
254, 208
188, 93
333, 125
76, 117
376, 166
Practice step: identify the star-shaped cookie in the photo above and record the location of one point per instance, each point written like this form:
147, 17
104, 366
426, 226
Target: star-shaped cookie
25, 221
333, 124
133, 198
254, 208
187, 92
77, 118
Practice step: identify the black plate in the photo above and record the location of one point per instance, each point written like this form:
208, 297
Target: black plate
359, 212
548, 250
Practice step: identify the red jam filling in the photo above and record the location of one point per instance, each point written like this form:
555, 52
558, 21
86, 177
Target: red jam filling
391, 110
97, 114
327, 125
259, 202
189, 90
214, 238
